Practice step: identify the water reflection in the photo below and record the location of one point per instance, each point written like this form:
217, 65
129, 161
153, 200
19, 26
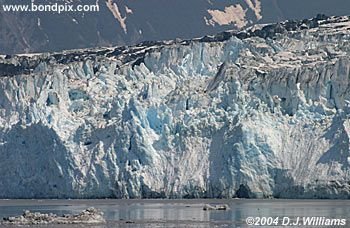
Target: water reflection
187, 211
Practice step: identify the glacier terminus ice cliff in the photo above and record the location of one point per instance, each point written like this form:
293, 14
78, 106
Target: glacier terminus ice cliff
258, 113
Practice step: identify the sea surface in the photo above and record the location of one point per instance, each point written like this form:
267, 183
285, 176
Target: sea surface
183, 213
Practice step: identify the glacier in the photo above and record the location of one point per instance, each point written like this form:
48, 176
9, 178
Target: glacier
260, 113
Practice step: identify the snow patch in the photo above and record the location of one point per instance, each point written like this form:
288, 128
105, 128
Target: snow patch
128, 10
255, 5
113, 7
234, 14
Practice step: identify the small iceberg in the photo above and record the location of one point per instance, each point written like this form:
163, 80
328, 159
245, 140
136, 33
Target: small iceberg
220, 207
88, 216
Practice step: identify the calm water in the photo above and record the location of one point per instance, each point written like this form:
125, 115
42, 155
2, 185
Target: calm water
182, 213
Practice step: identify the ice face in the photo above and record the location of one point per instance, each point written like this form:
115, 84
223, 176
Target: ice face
262, 113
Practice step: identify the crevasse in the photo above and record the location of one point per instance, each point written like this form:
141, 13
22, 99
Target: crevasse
261, 113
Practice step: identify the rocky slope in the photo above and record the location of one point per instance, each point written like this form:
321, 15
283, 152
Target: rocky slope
259, 113
127, 22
